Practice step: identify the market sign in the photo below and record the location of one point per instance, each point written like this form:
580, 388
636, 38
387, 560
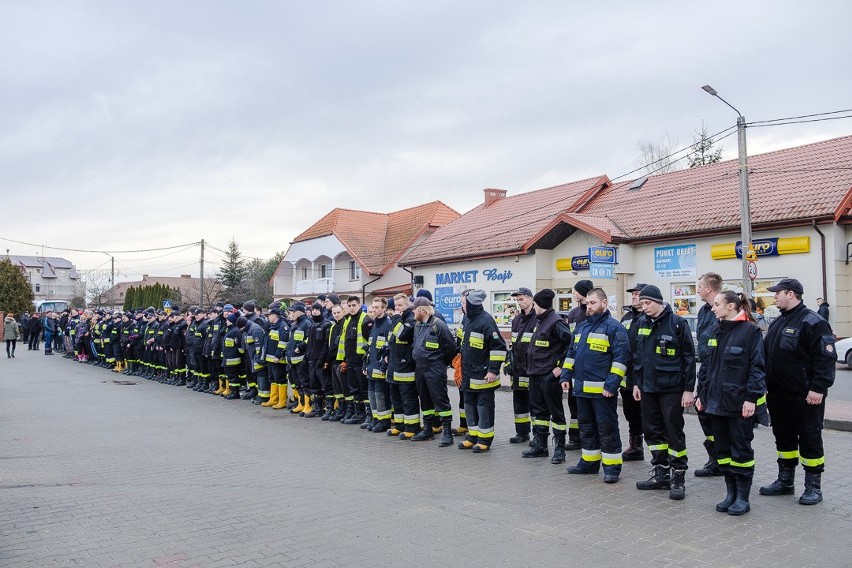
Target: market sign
574, 263
679, 261
448, 301
763, 247
602, 255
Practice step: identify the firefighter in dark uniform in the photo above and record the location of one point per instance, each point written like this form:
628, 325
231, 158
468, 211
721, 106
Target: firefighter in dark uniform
378, 389
136, 341
731, 380
800, 368
522, 331
317, 357
106, 338
232, 355
483, 352
594, 368
217, 343
297, 346
401, 370
665, 378
358, 329
115, 341
337, 363
709, 286
434, 344
574, 317
630, 406
253, 337
194, 343
274, 355
550, 341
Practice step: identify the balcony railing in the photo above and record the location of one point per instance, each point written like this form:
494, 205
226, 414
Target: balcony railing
318, 286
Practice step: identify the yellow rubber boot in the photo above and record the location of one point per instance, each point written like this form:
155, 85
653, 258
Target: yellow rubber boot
282, 397
221, 388
307, 408
299, 407
273, 396
227, 391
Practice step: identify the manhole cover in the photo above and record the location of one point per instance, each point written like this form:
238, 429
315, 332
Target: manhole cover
120, 382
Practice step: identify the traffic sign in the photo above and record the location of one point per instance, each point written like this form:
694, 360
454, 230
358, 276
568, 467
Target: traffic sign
752, 269
166, 304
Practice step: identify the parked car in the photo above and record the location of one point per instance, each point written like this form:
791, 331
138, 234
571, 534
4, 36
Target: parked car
844, 351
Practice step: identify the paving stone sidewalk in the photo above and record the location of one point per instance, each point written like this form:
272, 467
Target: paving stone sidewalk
95, 473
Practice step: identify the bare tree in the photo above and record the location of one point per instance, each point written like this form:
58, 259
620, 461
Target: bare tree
97, 285
213, 291
655, 157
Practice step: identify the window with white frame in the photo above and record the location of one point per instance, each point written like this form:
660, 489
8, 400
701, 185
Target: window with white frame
685, 300
325, 271
354, 271
304, 273
504, 308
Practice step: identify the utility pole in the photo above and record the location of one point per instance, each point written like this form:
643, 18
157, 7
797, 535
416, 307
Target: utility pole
746, 251
112, 283
201, 285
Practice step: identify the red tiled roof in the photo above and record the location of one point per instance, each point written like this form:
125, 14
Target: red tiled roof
786, 187
377, 240
508, 225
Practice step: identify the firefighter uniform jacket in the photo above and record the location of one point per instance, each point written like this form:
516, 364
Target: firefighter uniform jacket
336, 352
202, 327
522, 332
598, 356
551, 339
630, 321
318, 341
194, 337
232, 348
297, 345
732, 371
254, 339
358, 330
483, 351
665, 355
377, 354
431, 338
400, 357
705, 326
216, 334
276, 342
800, 353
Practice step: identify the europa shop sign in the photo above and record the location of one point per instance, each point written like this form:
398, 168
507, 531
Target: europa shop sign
470, 276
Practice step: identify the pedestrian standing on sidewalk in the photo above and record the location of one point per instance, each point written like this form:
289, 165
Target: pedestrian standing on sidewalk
631, 407
800, 368
731, 380
11, 332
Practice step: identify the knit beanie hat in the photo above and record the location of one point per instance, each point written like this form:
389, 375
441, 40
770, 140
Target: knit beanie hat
476, 297
651, 292
583, 287
544, 298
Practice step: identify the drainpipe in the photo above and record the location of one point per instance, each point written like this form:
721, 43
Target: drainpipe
411, 279
364, 288
822, 250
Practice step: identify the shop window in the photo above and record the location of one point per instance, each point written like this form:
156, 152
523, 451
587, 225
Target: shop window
765, 299
504, 308
564, 299
685, 300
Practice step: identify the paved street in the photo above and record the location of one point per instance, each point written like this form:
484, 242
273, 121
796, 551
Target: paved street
94, 473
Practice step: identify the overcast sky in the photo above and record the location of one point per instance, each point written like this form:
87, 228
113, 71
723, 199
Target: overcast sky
135, 125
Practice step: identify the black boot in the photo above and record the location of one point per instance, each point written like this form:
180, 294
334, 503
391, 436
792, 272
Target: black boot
538, 449
348, 411
338, 413
519, 438
446, 435
784, 484
368, 417
660, 479
381, 426
731, 486
426, 433
357, 416
248, 394
741, 506
316, 407
678, 485
234, 394
573, 439
813, 489
711, 468
584, 467
635, 451
558, 449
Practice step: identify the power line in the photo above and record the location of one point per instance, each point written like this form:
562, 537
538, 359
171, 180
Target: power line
185, 245
799, 121
798, 117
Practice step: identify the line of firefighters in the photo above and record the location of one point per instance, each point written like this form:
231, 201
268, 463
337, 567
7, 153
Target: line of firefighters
386, 369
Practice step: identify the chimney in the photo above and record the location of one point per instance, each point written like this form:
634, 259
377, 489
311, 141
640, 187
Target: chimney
185, 276
492, 195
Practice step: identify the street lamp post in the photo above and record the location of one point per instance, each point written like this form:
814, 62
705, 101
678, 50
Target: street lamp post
745, 209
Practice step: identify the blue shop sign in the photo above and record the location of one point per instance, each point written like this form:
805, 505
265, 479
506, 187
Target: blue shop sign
601, 270
602, 255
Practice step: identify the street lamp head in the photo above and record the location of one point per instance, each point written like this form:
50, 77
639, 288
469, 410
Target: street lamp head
710, 90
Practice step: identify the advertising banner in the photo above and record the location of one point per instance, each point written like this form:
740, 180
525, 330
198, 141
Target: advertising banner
679, 261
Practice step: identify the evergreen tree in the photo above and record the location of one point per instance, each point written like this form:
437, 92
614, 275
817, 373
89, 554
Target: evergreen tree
16, 295
702, 152
129, 298
234, 268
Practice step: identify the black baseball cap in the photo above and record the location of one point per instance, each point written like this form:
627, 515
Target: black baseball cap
523, 292
637, 287
786, 284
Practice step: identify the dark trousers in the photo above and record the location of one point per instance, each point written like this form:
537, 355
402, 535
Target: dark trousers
277, 374
10, 346
598, 424
632, 410
431, 384
546, 404
33, 342
706, 425
662, 422
521, 404
299, 377
378, 391
48, 346
572, 412
357, 382
732, 443
315, 373
338, 381
797, 427
410, 406
479, 405
396, 405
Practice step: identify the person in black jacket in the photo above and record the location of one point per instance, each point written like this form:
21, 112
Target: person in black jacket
731, 380
709, 286
822, 308
664, 371
631, 407
800, 368
34, 331
574, 318
522, 331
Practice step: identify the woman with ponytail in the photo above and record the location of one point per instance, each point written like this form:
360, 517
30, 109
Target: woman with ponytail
731, 384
